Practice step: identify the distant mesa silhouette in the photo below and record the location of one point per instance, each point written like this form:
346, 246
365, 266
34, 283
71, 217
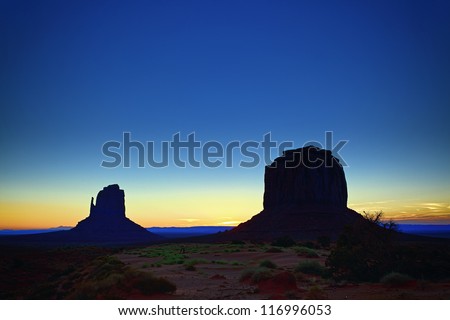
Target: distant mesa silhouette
305, 196
107, 221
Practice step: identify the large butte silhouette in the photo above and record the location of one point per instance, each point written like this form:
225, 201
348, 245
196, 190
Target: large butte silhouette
305, 196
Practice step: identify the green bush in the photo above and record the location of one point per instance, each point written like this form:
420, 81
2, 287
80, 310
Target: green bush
255, 275
308, 244
268, 264
422, 261
311, 267
148, 284
193, 262
367, 250
363, 252
316, 293
246, 274
189, 265
306, 252
108, 278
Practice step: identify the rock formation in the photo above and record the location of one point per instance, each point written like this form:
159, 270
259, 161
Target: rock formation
305, 197
107, 221
305, 176
110, 203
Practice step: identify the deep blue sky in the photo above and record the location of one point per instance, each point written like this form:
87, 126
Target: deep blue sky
75, 75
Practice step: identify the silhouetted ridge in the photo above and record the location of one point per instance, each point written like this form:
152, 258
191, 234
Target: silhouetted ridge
305, 196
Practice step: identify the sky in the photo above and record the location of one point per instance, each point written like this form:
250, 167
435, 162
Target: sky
75, 75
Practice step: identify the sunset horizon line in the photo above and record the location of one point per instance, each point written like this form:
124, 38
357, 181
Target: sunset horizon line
400, 221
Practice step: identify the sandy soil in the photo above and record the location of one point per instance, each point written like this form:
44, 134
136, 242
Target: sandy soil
202, 271
218, 275
213, 280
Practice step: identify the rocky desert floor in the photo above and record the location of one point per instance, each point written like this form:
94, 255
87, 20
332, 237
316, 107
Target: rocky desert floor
260, 271
190, 271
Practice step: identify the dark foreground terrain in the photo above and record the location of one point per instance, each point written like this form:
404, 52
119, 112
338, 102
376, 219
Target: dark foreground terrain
234, 270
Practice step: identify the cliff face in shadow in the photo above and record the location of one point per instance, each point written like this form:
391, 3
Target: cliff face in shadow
305, 176
305, 196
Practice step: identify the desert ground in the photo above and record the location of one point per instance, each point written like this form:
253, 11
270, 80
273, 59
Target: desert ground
192, 271
217, 271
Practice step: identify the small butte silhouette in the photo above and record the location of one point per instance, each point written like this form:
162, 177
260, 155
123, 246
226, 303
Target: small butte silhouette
105, 225
107, 221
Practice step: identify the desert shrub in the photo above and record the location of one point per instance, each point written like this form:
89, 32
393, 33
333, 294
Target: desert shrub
173, 259
261, 274
148, 284
103, 279
274, 250
423, 261
306, 252
168, 254
194, 262
366, 251
237, 242
255, 275
308, 244
324, 241
268, 264
284, 242
395, 279
104, 267
311, 267
190, 267
316, 293
109, 278
363, 251
246, 274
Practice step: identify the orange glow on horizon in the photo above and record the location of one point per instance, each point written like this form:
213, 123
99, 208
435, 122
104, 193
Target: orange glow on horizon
197, 211
32, 215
